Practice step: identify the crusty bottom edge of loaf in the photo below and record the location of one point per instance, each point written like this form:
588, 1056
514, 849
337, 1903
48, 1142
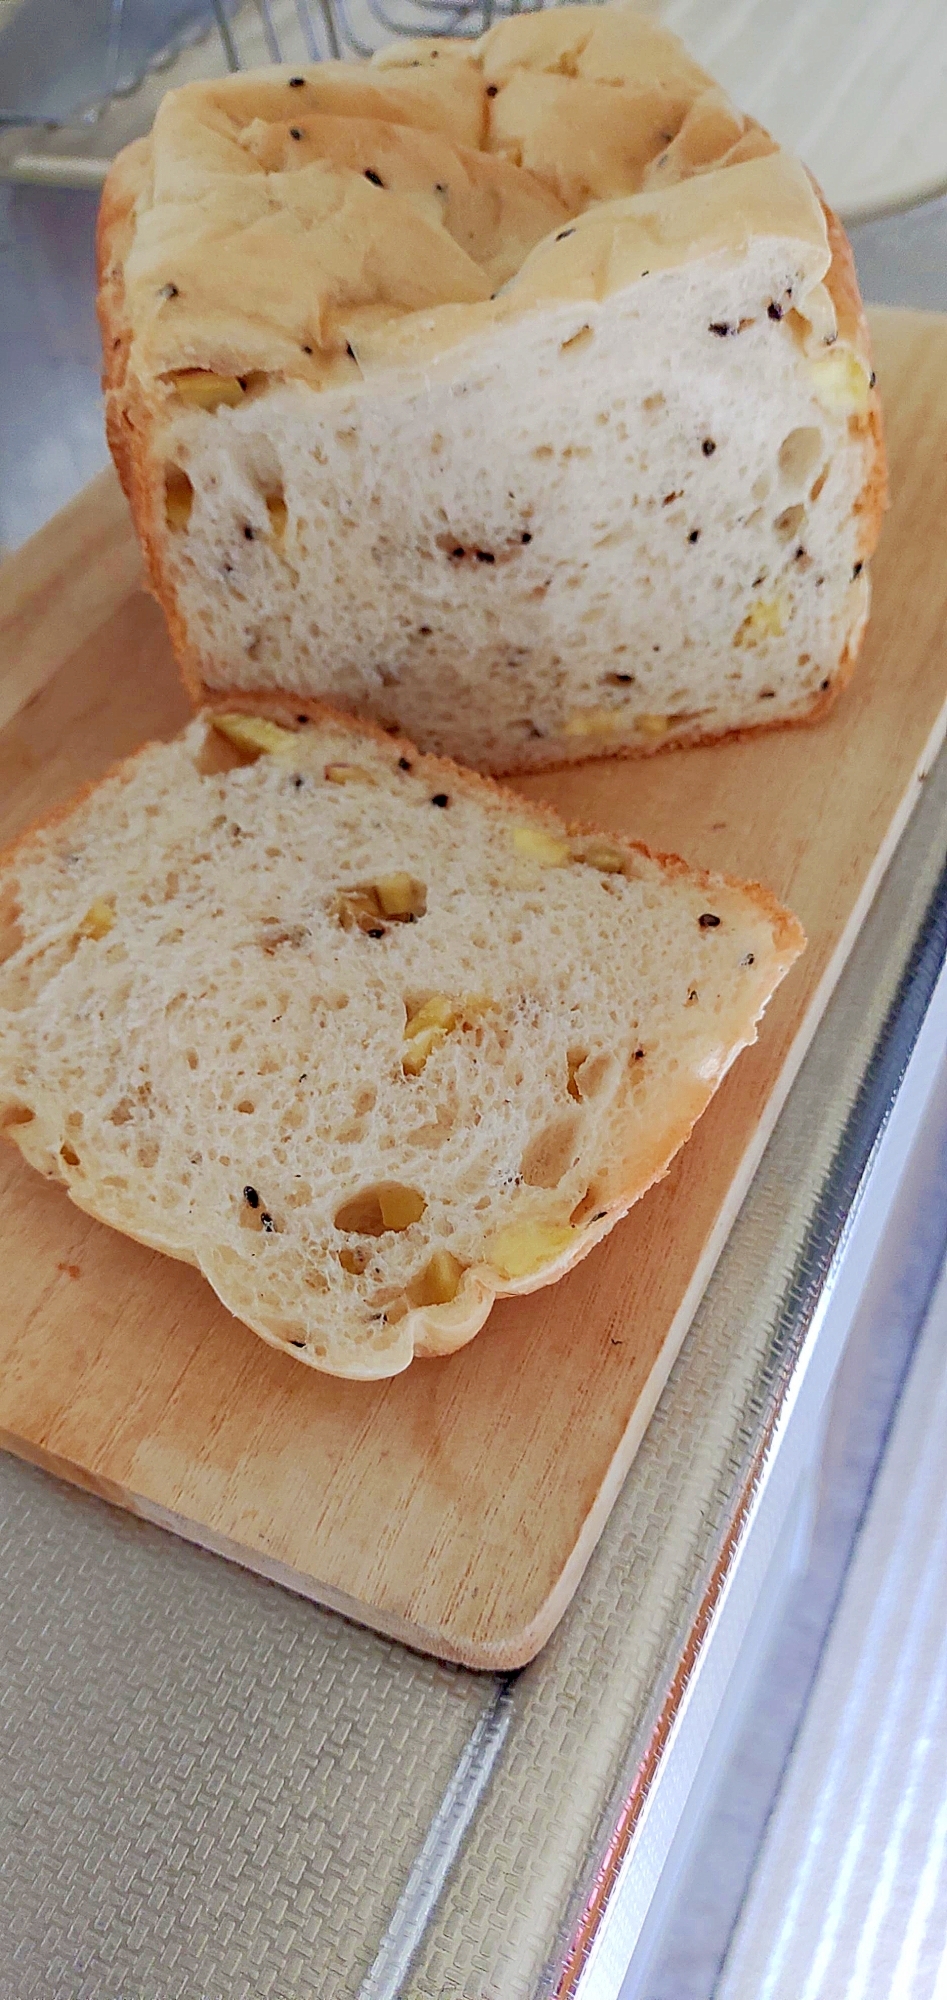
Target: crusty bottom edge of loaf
263, 700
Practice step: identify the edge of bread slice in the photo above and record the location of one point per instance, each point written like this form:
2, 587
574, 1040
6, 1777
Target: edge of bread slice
367, 1039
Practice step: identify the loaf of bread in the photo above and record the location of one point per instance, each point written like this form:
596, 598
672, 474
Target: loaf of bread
368, 1040
514, 393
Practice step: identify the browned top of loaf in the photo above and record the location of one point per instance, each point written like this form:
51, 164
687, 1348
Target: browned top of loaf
420, 183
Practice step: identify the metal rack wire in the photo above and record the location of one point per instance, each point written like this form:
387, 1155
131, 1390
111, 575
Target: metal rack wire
322, 28
75, 147
856, 87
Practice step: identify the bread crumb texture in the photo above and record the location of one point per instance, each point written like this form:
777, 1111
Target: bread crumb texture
487, 389
360, 1131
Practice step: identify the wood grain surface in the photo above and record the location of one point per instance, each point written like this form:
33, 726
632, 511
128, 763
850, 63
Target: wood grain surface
455, 1506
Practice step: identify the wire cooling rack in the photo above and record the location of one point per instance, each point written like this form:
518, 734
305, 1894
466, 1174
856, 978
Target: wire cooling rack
855, 87
75, 87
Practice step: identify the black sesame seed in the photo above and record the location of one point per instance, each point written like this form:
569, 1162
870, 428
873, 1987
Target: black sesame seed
824, 685
302, 719
249, 534
376, 179
457, 553
773, 310
251, 1197
404, 764
639, 1055
298, 781
708, 922
267, 1222
440, 187
800, 552
425, 631
484, 555
872, 379
694, 536
626, 679
721, 328
563, 233
757, 580
440, 799
296, 82
492, 89
306, 349
168, 291
524, 538
297, 1343
708, 447
377, 933
295, 132
857, 570
748, 959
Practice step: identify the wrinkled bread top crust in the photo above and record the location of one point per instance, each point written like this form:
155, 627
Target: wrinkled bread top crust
318, 225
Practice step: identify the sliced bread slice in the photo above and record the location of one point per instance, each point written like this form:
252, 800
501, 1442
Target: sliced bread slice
517, 394
365, 1038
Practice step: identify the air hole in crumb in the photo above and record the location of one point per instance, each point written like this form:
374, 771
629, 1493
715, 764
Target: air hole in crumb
375, 1210
816, 488
178, 497
788, 523
276, 512
550, 1155
800, 453
576, 340
246, 1104
575, 1059
16, 1114
356, 1260
69, 1156
589, 1204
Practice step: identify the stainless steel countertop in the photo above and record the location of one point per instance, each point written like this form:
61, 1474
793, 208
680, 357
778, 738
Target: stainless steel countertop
213, 1791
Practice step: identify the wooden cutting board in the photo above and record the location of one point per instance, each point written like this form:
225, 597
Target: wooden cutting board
456, 1506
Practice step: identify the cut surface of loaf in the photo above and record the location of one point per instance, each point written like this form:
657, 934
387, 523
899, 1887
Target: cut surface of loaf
515, 393
368, 1040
